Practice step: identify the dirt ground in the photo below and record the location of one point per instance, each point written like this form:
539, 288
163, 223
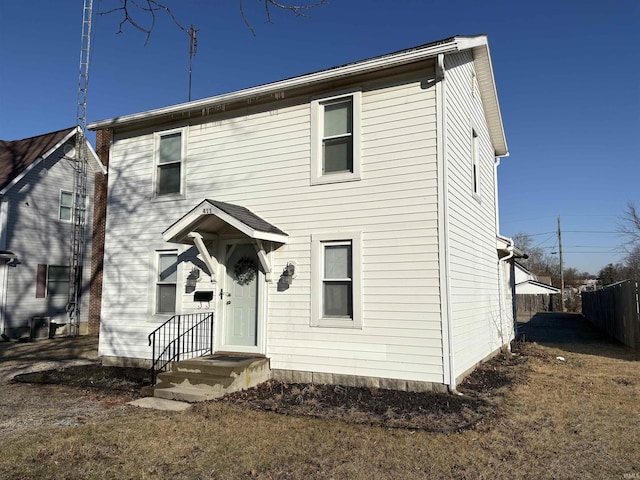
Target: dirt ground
565, 407
74, 395
482, 393
28, 406
71, 395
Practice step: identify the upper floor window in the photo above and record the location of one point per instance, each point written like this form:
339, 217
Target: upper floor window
335, 136
169, 163
475, 165
66, 206
65, 210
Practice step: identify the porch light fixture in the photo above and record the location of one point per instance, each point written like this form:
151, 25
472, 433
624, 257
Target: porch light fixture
192, 279
289, 273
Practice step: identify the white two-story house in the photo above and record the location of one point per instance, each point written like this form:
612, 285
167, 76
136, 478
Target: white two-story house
342, 224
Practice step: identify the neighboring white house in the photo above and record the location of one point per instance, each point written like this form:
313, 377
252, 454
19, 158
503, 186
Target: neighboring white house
532, 292
36, 211
341, 223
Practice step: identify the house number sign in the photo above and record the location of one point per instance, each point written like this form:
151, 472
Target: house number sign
207, 211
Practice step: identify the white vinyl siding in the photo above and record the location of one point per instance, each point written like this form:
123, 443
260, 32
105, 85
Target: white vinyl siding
474, 281
262, 159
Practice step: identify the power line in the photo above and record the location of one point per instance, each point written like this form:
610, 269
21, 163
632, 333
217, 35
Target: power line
589, 231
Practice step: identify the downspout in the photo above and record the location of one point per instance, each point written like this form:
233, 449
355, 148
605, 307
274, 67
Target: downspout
4, 270
510, 249
445, 269
502, 260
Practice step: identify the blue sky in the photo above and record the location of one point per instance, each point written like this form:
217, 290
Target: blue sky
567, 72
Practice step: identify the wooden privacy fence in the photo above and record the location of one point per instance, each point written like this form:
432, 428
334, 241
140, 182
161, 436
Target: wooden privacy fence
615, 310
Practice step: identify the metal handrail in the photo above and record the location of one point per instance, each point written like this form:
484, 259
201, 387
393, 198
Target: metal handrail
180, 338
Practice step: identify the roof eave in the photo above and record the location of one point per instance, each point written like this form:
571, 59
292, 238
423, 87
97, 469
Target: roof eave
486, 81
365, 66
477, 43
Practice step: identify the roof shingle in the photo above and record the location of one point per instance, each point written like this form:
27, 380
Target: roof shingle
17, 155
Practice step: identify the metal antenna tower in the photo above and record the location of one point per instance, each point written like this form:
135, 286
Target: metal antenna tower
76, 255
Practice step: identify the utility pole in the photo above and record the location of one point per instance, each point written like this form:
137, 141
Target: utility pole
193, 47
561, 267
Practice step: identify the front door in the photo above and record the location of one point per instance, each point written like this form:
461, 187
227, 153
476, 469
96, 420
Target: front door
240, 299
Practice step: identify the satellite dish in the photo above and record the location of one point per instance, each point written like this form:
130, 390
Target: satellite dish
67, 149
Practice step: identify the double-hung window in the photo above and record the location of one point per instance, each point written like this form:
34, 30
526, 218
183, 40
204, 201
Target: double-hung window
336, 280
166, 282
335, 137
475, 165
65, 209
52, 280
58, 280
169, 163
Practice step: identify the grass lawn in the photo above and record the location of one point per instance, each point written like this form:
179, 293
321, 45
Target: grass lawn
578, 418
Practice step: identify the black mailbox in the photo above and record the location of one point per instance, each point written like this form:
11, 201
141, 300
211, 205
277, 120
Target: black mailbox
205, 296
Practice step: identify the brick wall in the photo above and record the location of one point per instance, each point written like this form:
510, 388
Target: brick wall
103, 142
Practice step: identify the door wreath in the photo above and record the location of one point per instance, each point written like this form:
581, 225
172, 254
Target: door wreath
245, 270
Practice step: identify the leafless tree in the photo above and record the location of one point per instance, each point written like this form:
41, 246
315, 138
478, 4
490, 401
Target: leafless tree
142, 14
629, 225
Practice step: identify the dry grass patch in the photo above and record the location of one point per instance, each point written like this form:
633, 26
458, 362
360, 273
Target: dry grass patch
576, 418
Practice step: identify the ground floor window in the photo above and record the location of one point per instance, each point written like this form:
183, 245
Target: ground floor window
52, 280
336, 282
166, 282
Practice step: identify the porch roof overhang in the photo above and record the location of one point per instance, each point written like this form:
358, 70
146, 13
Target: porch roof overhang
531, 287
215, 217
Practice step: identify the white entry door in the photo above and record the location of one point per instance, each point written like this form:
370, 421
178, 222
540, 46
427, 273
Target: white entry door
240, 299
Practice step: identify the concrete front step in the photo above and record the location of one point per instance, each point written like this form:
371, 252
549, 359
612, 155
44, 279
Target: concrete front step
206, 378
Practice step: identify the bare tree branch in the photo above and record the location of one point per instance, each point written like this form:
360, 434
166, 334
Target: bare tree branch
148, 8
629, 225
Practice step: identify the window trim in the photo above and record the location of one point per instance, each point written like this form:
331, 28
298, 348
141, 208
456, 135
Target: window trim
43, 279
70, 207
157, 281
475, 165
157, 136
318, 241
317, 137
